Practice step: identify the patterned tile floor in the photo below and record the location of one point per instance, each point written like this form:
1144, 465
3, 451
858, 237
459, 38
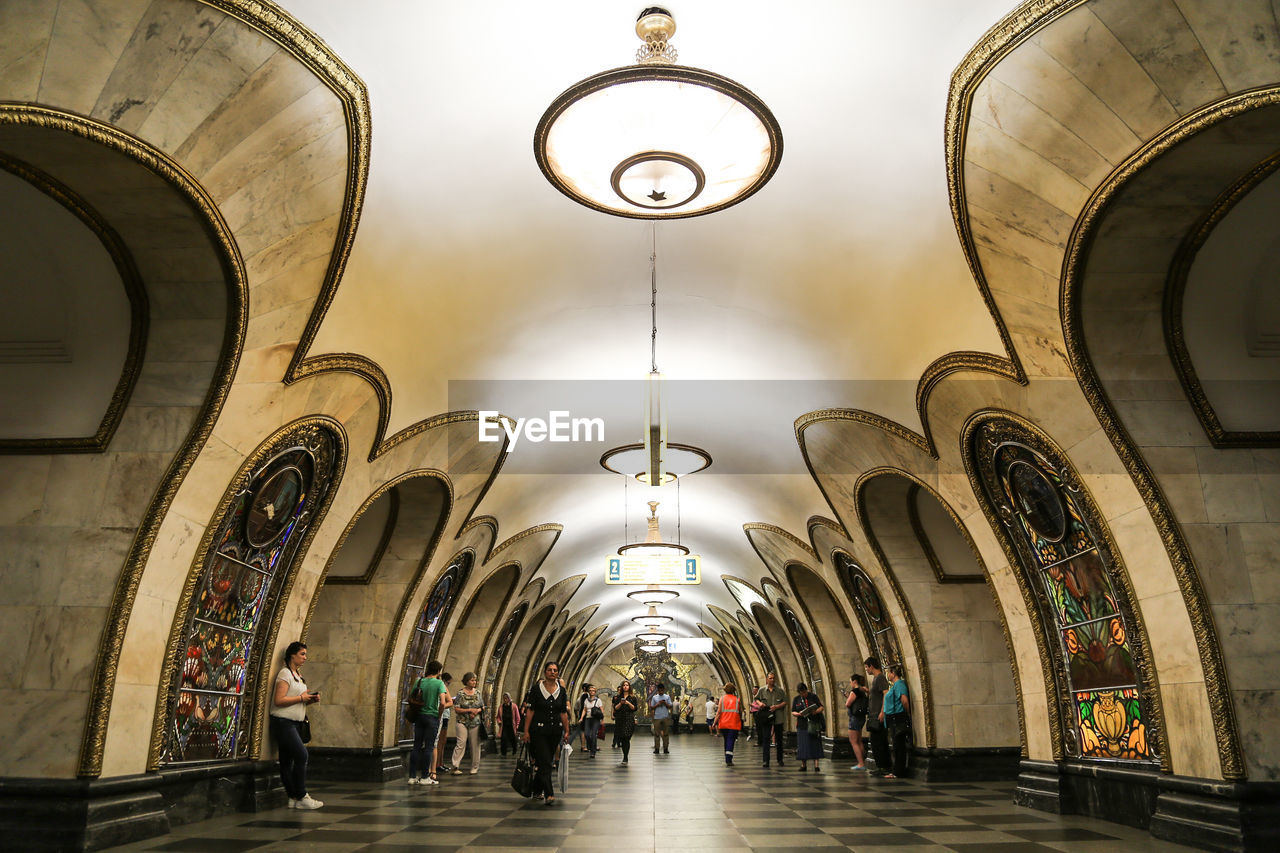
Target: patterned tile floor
686, 801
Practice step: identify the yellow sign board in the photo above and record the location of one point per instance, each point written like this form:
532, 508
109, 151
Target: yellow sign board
677, 569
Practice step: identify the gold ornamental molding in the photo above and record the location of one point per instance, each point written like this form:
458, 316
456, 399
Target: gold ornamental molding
1217, 683
917, 527
139, 314
861, 416
804, 547
825, 660
254, 704
525, 534
1174, 333
102, 686
816, 521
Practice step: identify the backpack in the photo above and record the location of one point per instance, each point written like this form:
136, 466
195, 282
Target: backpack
413, 709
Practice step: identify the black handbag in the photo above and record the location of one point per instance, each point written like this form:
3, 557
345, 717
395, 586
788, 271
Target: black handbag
304, 730
413, 708
522, 776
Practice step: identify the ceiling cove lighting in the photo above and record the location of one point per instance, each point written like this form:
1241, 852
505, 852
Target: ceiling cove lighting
656, 140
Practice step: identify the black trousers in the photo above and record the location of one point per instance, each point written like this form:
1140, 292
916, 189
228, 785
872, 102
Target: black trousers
879, 746
508, 738
544, 743
900, 726
765, 731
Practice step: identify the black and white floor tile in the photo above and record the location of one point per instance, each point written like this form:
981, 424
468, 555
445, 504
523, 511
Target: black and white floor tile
685, 801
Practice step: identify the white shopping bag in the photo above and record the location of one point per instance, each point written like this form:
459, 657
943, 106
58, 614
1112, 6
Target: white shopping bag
565, 752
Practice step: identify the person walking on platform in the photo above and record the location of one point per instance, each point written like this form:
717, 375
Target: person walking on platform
728, 720
660, 705
546, 726
508, 722
625, 704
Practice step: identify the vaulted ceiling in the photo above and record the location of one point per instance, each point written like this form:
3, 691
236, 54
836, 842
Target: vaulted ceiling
836, 285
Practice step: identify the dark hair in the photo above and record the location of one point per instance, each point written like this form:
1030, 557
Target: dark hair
661, 686
554, 663
858, 680
626, 684
896, 669
730, 689
801, 688
448, 676
433, 668
467, 677
873, 662
292, 650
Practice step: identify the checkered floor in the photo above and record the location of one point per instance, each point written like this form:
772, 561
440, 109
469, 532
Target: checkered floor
688, 800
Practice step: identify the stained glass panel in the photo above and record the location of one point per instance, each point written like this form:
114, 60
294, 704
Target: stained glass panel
254, 544
1098, 655
1111, 725
1071, 573
1079, 589
432, 618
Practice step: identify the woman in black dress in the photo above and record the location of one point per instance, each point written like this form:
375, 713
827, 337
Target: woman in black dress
548, 718
809, 724
624, 717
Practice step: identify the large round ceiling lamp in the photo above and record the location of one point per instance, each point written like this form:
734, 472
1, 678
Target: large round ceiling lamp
657, 140
651, 621
652, 637
653, 597
652, 648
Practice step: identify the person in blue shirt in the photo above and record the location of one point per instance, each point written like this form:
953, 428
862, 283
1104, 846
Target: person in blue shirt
660, 704
897, 719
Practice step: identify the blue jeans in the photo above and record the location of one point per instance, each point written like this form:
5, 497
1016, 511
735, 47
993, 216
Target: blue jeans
293, 756
425, 729
591, 727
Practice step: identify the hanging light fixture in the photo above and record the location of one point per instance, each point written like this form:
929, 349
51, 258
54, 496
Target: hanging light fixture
653, 596
653, 637
657, 140
652, 648
652, 620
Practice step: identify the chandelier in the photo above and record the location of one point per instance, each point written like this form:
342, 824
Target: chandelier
656, 140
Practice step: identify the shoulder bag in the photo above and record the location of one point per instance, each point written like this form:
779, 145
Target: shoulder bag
413, 709
304, 730
522, 777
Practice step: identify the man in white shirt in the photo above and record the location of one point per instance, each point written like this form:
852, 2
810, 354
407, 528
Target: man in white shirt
711, 716
660, 704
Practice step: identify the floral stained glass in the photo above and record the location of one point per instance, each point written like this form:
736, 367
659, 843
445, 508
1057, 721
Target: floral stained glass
1069, 569
435, 613
254, 546
506, 637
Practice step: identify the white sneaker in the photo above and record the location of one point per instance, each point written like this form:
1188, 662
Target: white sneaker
293, 804
414, 780
308, 802
428, 781
475, 770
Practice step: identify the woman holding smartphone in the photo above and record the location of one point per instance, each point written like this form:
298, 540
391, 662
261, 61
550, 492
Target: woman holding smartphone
288, 713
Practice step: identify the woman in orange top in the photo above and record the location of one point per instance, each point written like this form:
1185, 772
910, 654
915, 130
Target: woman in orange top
729, 720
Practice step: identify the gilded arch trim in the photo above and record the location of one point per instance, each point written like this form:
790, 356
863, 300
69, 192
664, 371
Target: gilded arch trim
106, 667
1217, 683
139, 314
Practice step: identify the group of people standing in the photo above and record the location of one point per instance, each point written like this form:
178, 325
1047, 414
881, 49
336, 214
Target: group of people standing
884, 708
431, 709
770, 705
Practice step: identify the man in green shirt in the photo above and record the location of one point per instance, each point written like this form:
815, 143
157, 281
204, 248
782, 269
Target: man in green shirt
434, 699
775, 700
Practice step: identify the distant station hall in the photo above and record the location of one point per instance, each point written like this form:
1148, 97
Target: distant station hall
718, 426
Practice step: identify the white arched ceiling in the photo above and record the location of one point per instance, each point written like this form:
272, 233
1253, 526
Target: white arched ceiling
471, 276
